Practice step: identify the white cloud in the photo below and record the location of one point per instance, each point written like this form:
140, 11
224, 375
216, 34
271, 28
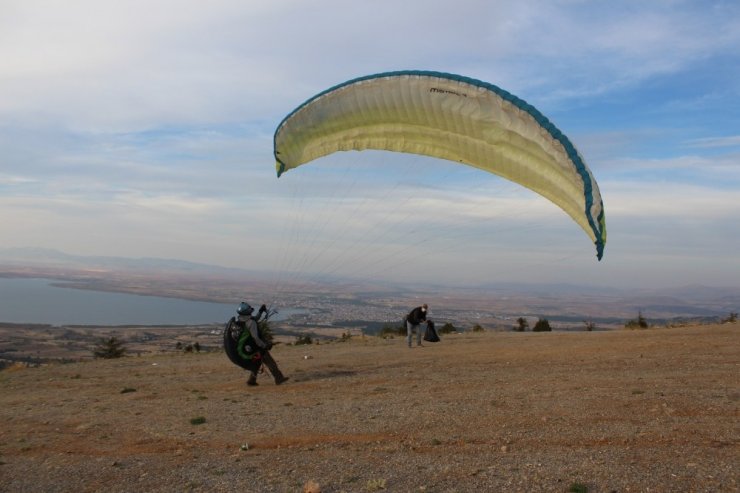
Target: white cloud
592, 49
11, 180
714, 142
669, 201
724, 166
149, 125
132, 65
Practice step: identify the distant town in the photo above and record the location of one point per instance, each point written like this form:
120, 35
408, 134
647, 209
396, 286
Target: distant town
330, 310
342, 303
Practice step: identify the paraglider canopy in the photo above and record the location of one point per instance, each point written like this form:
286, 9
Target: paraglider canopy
450, 117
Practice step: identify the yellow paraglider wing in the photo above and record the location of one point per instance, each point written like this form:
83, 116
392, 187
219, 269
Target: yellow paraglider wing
450, 117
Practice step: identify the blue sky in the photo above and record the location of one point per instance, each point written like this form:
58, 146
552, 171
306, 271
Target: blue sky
144, 129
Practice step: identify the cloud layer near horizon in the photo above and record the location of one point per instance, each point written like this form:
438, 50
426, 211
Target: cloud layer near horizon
152, 134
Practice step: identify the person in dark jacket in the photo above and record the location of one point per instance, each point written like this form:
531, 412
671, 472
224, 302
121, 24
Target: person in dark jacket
413, 321
253, 346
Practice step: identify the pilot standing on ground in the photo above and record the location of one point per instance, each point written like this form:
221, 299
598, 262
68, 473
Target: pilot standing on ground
252, 344
413, 321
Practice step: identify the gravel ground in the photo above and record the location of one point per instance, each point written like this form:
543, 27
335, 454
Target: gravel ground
648, 410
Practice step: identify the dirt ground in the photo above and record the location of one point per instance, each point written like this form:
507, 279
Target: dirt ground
645, 410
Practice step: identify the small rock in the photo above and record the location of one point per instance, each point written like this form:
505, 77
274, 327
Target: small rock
505, 448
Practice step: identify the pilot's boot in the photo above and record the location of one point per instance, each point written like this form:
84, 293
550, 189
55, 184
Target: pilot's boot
280, 378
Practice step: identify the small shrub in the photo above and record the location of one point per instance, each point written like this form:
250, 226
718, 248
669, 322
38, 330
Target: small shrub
447, 328
578, 488
522, 324
590, 326
389, 331
109, 348
637, 323
197, 421
376, 484
542, 325
126, 390
303, 340
731, 319
478, 328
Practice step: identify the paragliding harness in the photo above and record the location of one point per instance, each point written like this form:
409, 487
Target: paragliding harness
430, 334
240, 347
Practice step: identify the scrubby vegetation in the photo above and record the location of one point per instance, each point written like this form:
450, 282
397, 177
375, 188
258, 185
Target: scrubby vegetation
188, 348
109, 348
388, 331
542, 325
637, 323
578, 488
522, 324
304, 339
447, 328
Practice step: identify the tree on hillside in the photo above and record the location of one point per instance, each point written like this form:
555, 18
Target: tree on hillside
523, 324
542, 325
109, 348
639, 322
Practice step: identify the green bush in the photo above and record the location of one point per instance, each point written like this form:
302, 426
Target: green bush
522, 324
542, 325
346, 336
303, 340
578, 488
478, 328
447, 328
637, 323
390, 330
109, 348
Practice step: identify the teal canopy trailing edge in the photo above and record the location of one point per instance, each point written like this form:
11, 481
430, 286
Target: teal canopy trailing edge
449, 117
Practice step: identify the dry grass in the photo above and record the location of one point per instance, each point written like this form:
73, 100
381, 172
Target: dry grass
620, 411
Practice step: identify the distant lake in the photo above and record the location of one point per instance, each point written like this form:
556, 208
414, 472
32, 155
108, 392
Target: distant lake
36, 301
